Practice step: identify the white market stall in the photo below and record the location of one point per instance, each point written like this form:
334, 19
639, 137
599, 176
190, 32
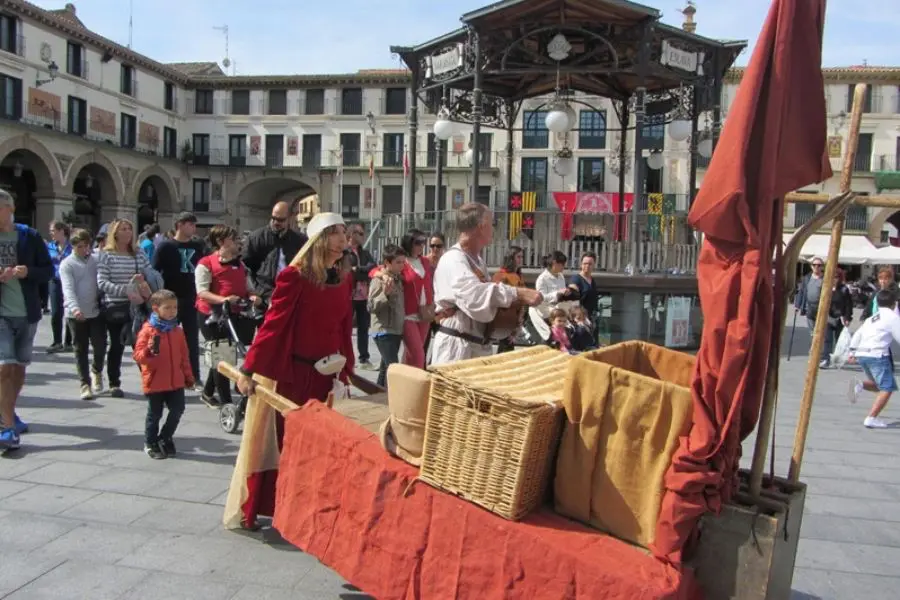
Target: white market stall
888, 255
855, 249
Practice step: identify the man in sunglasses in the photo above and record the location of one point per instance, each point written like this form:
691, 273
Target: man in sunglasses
270, 248
806, 302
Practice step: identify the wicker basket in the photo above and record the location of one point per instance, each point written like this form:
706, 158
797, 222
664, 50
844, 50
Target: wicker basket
493, 428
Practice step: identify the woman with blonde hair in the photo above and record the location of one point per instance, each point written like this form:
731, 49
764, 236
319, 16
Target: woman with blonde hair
310, 318
120, 278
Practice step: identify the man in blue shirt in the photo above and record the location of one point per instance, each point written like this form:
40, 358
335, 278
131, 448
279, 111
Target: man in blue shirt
24, 266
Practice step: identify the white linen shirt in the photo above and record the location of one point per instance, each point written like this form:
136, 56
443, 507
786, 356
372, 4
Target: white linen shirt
456, 285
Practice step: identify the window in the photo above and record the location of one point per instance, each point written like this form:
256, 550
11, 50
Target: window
654, 132
591, 174
312, 150
77, 116
592, 129
395, 101
803, 212
534, 130
534, 174
351, 101
11, 99
393, 150
350, 201
857, 218
483, 195
350, 143
203, 102
128, 130
277, 102
391, 199
274, 150
863, 162
315, 102
867, 103
10, 40
169, 96
237, 150
240, 102
485, 142
429, 199
75, 60
128, 85
432, 152
201, 195
200, 146
170, 142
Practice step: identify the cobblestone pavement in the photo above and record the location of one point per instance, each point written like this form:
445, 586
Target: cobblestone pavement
85, 514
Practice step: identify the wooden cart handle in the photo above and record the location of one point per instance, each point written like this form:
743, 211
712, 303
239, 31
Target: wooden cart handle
270, 397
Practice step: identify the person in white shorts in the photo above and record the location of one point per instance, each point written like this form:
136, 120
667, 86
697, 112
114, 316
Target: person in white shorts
871, 347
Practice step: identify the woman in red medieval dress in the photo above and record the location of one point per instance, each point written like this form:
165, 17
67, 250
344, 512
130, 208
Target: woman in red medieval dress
309, 318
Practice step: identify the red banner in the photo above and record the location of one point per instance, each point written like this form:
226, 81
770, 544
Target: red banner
572, 203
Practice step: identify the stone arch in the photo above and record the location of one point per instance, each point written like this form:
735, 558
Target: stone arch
100, 159
47, 166
168, 194
271, 188
878, 221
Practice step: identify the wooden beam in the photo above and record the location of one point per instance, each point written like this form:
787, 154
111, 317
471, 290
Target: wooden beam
870, 201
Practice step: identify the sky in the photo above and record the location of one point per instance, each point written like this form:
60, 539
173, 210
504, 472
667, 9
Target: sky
344, 36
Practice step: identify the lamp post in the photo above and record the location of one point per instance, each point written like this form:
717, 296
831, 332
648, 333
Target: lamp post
370, 121
52, 71
443, 130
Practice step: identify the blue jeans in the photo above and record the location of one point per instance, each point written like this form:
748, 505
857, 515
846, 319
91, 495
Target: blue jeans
880, 370
174, 401
16, 340
389, 348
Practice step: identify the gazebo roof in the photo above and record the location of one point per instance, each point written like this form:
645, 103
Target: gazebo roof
605, 38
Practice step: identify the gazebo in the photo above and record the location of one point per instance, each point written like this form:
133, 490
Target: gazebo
513, 50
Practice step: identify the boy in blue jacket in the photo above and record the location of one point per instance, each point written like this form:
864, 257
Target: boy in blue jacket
24, 266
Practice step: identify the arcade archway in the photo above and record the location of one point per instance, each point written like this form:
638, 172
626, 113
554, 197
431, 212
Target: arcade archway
27, 176
93, 187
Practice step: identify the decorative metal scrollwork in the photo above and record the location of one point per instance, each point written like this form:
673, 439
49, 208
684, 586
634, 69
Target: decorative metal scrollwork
495, 113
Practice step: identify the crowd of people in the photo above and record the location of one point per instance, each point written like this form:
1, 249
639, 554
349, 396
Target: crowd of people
163, 296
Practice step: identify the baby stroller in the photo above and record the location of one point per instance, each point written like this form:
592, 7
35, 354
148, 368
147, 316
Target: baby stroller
231, 350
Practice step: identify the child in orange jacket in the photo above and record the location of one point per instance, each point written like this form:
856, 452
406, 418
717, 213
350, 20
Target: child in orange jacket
162, 353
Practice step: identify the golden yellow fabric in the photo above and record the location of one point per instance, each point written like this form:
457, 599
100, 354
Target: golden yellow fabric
627, 405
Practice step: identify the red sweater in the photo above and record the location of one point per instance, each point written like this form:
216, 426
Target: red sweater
413, 286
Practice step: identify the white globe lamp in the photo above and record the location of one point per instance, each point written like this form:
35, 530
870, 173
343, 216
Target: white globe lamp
564, 166
470, 156
705, 148
680, 130
443, 128
557, 121
655, 161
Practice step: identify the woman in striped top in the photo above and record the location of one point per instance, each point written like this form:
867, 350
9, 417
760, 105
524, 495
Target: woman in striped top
121, 281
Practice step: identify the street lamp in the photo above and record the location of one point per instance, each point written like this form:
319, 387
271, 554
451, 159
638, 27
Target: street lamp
705, 148
680, 130
52, 71
370, 121
655, 160
443, 126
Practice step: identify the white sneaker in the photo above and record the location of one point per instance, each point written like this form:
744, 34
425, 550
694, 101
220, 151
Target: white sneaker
854, 390
97, 382
875, 423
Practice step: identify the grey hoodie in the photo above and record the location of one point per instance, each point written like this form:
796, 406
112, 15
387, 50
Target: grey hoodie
79, 283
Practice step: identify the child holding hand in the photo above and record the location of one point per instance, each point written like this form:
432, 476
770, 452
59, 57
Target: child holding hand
161, 352
559, 334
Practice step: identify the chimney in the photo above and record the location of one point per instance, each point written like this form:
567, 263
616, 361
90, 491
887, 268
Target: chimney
689, 12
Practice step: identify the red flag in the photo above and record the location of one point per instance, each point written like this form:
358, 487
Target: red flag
567, 202
774, 141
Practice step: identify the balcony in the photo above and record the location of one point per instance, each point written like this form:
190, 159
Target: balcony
886, 162
209, 206
425, 159
349, 105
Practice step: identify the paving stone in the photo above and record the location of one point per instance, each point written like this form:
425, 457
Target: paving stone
74, 579
194, 488
24, 532
96, 543
62, 473
183, 554
124, 481
8, 488
181, 587
182, 517
47, 499
110, 507
18, 570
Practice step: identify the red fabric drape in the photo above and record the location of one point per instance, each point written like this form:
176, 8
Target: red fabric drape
774, 142
567, 202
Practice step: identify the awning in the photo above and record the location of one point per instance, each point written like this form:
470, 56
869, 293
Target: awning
855, 249
889, 255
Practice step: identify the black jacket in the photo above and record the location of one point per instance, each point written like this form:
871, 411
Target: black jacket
363, 263
261, 254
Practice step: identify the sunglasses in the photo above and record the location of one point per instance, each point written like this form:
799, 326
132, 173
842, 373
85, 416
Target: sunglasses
436, 246
818, 265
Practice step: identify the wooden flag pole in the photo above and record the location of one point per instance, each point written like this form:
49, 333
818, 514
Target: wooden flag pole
837, 231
